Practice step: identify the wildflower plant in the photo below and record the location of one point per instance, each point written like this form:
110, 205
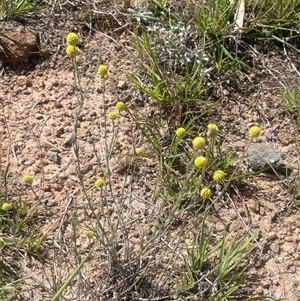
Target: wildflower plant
254, 131
219, 175
72, 39
71, 50
6, 206
205, 193
90, 234
112, 115
99, 195
139, 151
27, 179
120, 106
180, 132
212, 130
102, 70
203, 164
199, 143
99, 183
200, 162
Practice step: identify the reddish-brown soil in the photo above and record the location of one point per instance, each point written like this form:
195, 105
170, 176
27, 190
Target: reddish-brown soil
38, 106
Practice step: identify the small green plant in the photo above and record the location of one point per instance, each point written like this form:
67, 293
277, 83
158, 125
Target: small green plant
275, 20
10, 9
291, 102
195, 166
214, 269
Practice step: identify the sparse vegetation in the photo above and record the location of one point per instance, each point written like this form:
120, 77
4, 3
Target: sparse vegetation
171, 250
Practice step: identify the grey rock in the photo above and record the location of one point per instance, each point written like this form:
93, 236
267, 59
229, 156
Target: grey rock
275, 248
53, 156
69, 140
263, 156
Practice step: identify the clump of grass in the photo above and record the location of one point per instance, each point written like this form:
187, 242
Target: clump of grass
10, 9
213, 270
290, 102
20, 234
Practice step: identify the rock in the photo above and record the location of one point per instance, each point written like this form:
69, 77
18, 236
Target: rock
53, 156
69, 140
17, 44
290, 249
38, 85
278, 294
23, 81
275, 248
265, 157
271, 235
86, 168
122, 84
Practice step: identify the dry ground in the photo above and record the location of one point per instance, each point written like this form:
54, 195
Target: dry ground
36, 119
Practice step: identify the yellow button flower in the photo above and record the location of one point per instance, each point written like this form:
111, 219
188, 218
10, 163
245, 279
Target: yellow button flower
139, 151
112, 115
6, 206
254, 131
99, 183
199, 143
205, 193
200, 162
90, 234
71, 50
120, 106
27, 179
219, 175
72, 39
102, 70
180, 132
212, 130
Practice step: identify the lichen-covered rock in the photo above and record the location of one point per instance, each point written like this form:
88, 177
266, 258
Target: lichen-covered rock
262, 156
17, 45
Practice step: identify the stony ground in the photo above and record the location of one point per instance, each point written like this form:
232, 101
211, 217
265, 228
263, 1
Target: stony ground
38, 104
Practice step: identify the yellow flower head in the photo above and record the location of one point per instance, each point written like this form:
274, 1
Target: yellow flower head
99, 183
90, 234
212, 130
27, 179
200, 162
120, 106
219, 175
6, 206
139, 151
180, 132
102, 70
199, 143
205, 193
71, 50
254, 131
112, 115
72, 39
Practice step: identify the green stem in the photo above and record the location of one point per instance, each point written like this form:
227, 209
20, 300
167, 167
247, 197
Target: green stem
70, 278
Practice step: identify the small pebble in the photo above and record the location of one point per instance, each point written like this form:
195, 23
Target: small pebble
69, 140
122, 84
53, 156
290, 250
272, 235
275, 248
23, 81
